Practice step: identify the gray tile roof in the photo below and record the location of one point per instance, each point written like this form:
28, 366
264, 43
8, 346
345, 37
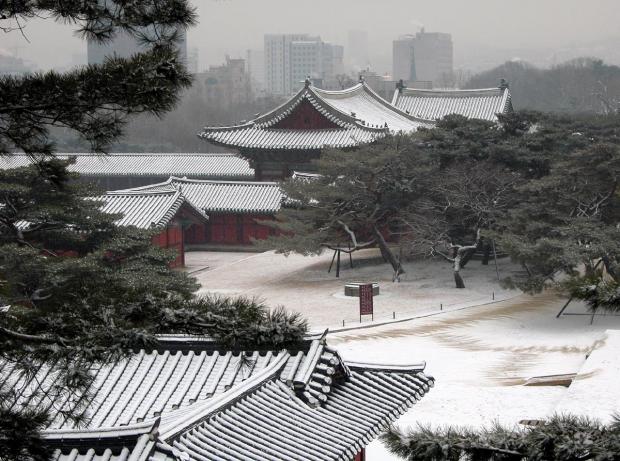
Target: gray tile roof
130, 443
225, 196
482, 104
361, 115
145, 209
197, 401
195, 165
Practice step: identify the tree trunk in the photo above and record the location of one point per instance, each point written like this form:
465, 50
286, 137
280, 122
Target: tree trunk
457, 275
387, 254
467, 256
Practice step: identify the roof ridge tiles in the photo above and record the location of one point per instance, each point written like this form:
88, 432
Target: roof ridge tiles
131, 430
415, 367
202, 411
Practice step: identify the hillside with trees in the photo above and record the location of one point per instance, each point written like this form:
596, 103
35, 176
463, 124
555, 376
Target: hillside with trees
584, 85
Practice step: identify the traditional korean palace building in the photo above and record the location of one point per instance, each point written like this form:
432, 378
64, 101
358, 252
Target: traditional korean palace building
190, 400
166, 210
235, 209
122, 171
290, 136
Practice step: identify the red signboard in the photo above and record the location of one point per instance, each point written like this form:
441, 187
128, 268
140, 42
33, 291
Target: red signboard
366, 298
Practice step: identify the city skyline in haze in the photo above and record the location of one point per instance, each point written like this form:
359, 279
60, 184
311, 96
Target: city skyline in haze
485, 32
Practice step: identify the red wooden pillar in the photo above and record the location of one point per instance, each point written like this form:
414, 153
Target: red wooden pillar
361, 456
182, 244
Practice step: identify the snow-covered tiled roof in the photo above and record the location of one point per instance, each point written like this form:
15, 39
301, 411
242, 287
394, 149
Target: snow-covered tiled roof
128, 443
145, 209
360, 117
482, 104
198, 401
195, 165
225, 196
371, 108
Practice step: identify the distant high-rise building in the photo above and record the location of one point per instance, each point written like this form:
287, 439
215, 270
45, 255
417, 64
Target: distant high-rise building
291, 58
226, 85
12, 65
124, 45
425, 56
192, 60
357, 50
255, 67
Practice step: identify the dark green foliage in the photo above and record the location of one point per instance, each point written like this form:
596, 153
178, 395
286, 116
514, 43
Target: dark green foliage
561, 438
77, 291
93, 101
23, 427
235, 322
151, 20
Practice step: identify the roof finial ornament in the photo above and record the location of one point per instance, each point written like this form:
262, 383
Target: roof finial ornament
400, 85
503, 84
307, 82
361, 78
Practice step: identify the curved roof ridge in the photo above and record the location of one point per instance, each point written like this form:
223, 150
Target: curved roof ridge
173, 425
313, 96
416, 367
146, 191
449, 91
130, 430
363, 87
172, 179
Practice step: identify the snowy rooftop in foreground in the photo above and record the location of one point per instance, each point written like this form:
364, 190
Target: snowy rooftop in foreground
194, 400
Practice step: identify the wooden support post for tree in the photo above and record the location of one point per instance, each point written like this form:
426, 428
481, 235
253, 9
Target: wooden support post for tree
350, 255
495, 258
338, 264
332, 263
564, 307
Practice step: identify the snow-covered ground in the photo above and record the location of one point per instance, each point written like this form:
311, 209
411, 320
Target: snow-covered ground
303, 284
479, 356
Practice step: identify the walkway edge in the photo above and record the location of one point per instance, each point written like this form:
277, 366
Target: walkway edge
407, 319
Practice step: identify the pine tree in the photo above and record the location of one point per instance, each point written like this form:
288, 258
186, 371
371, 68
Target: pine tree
75, 288
560, 438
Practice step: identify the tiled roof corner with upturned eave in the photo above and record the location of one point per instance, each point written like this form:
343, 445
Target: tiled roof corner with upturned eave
483, 104
351, 117
146, 209
191, 399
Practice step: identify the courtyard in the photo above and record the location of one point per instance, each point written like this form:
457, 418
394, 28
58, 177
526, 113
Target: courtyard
483, 353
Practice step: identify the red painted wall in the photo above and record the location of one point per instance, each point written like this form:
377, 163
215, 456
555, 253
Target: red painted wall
229, 229
172, 237
361, 456
305, 117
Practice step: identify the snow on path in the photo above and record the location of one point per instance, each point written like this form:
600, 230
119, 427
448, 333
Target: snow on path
481, 357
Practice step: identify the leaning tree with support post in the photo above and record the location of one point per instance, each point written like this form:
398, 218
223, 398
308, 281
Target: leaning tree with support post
356, 202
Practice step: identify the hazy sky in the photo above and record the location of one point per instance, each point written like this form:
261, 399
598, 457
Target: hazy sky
482, 30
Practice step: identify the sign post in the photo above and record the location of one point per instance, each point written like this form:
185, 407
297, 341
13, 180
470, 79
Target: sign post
366, 300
